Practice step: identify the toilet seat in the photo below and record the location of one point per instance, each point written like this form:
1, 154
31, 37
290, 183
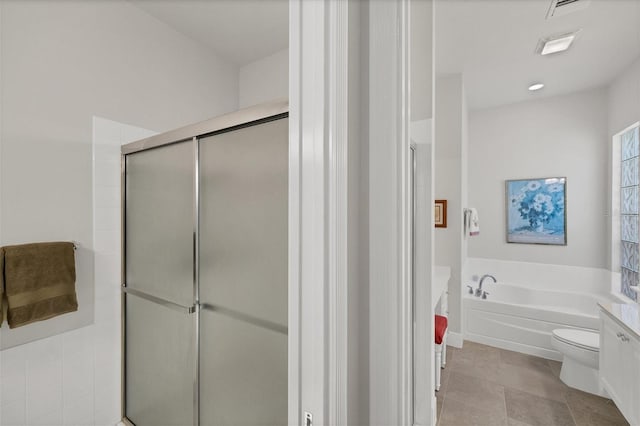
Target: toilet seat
587, 340
580, 351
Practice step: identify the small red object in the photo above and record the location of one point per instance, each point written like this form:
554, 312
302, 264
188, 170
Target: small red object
441, 328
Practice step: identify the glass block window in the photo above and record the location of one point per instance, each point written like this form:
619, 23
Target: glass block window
629, 186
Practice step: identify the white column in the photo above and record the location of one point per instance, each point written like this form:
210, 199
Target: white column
389, 215
326, 185
318, 211
400, 93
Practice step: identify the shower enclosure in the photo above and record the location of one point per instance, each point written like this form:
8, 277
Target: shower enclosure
205, 272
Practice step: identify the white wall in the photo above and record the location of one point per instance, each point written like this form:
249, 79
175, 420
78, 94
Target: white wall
62, 63
559, 136
74, 377
624, 99
450, 184
264, 80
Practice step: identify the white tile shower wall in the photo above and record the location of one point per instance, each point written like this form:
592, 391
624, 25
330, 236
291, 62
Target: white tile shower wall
51, 381
74, 378
540, 275
108, 137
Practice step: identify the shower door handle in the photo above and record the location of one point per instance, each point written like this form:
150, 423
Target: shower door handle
160, 301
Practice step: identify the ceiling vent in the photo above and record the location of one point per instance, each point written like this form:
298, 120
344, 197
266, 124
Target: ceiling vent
564, 7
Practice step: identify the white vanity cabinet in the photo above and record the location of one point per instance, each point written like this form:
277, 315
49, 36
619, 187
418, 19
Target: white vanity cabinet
620, 360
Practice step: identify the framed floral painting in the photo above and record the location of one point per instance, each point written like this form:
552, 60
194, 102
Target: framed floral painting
537, 211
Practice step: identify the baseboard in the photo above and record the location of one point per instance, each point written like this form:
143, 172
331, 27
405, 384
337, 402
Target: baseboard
454, 339
434, 411
514, 346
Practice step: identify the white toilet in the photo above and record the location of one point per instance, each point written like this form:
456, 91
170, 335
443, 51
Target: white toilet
580, 350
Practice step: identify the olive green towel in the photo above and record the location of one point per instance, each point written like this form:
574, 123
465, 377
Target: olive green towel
39, 281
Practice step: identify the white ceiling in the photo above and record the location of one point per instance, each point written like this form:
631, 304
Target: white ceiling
492, 42
240, 31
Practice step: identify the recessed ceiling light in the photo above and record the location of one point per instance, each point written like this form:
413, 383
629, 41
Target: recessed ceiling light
536, 86
556, 44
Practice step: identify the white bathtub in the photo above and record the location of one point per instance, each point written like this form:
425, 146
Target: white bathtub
521, 318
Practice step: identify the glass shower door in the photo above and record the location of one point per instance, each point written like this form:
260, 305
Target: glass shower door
243, 276
160, 339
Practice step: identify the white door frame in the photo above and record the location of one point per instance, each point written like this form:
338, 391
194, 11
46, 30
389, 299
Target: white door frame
318, 192
390, 332
318, 188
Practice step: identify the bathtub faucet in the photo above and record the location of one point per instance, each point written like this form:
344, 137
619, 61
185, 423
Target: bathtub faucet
479, 289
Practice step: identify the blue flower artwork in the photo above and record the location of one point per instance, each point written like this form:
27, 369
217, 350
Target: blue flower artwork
536, 211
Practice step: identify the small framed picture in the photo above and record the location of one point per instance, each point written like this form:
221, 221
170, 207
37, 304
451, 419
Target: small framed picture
440, 213
537, 211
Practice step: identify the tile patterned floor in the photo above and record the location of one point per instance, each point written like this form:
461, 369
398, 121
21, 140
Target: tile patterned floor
487, 386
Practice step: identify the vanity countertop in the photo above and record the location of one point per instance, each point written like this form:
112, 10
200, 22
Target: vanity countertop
627, 314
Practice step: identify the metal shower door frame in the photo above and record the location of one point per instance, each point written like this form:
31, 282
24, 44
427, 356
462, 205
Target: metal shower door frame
248, 117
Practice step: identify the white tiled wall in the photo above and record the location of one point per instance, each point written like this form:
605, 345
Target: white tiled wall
540, 275
74, 378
